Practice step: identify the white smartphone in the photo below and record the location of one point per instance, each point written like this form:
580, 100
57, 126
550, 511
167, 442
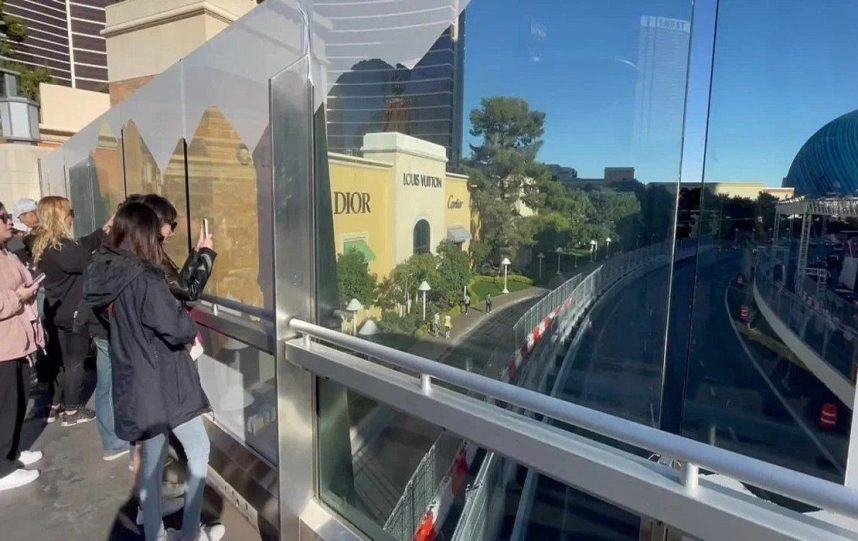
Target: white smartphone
38, 279
206, 227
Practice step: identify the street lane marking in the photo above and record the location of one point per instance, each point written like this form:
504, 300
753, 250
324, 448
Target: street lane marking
782, 400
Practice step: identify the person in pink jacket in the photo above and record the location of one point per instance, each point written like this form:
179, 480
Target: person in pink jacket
20, 336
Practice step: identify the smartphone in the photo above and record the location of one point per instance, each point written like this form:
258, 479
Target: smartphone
206, 226
38, 279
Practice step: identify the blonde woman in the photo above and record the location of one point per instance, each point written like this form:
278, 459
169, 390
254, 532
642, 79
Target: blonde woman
63, 260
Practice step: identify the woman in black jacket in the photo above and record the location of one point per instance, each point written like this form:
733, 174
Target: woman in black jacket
156, 386
63, 260
187, 285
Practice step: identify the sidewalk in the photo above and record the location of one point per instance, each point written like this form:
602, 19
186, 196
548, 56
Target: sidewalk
79, 496
433, 347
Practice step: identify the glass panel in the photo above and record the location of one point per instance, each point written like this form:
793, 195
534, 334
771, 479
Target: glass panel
516, 190
142, 176
239, 381
223, 187
108, 186
80, 195
750, 385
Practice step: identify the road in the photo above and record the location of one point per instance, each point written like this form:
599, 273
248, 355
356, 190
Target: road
399, 441
740, 395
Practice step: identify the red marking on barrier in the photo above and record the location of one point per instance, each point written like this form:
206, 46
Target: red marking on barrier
426, 530
744, 314
828, 416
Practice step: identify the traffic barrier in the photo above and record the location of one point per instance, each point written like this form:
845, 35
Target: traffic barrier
828, 417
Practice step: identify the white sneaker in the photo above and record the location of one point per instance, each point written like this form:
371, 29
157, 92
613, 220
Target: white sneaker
168, 507
18, 478
28, 458
215, 532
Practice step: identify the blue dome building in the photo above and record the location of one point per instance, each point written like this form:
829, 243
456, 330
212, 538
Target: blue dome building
827, 163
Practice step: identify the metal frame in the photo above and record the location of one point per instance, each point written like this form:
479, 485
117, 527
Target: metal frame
795, 485
702, 509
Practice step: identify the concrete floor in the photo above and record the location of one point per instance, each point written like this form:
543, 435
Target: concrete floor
79, 496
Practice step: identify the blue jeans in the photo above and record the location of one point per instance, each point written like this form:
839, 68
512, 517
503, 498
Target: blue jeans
104, 399
153, 452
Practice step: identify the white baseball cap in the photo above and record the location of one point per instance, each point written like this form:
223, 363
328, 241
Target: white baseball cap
18, 225
23, 206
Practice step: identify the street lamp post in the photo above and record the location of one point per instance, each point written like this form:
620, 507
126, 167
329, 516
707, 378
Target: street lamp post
593, 247
540, 257
559, 251
505, 263
424, 287
607, 247
354, 307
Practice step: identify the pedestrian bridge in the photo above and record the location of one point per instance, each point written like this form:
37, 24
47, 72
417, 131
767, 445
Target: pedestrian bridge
618, 400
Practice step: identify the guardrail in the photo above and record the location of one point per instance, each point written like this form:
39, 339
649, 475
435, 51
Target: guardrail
573, 459
821, 330
571, 308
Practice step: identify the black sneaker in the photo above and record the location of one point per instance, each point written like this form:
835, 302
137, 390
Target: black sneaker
82, 415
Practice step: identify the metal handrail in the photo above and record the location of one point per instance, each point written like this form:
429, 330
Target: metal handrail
796, 485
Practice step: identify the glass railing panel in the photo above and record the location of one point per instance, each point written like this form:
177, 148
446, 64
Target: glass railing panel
143, 176
224, 189
511, 215
108, 184
458, 491
769, 371
240, 383
80, 195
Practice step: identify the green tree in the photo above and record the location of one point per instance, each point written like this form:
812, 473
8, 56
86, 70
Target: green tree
354, 279
503, 170
454, 273
13, 30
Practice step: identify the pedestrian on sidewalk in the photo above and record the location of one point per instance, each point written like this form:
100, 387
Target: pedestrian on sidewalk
436, 324
156, 384
63, 260
20, 336
488, 303
448, 326
467, 303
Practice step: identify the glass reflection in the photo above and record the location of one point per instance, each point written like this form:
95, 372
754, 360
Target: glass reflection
142, 176
505, 187
222, 184
771, 347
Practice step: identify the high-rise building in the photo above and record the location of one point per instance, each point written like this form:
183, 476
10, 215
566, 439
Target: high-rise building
660, 91
424, 102
64, 37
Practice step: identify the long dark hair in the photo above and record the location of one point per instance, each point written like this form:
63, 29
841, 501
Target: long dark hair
136, 228
167, 214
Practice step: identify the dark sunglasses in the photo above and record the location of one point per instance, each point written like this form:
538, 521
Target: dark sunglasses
7, 218
173, 225
71, 213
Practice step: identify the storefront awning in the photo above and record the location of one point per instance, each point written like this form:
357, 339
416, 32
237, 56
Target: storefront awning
458, 234
361, 246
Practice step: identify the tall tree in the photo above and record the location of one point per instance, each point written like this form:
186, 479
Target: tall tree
355, 280
503, 169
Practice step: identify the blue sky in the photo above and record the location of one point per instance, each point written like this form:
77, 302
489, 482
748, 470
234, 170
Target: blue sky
783, 68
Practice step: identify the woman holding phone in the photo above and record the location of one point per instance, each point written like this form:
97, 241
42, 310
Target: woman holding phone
20, 337
156, 386
63, 260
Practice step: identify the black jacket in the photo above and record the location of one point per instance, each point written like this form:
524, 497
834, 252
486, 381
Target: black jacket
156, 386
187, 285
63, 268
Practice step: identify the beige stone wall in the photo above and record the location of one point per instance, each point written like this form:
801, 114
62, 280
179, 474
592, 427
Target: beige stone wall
65, 110
20, 171
146, 37
120, 90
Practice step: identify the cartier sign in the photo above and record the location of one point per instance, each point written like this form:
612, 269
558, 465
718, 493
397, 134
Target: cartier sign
454, 203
